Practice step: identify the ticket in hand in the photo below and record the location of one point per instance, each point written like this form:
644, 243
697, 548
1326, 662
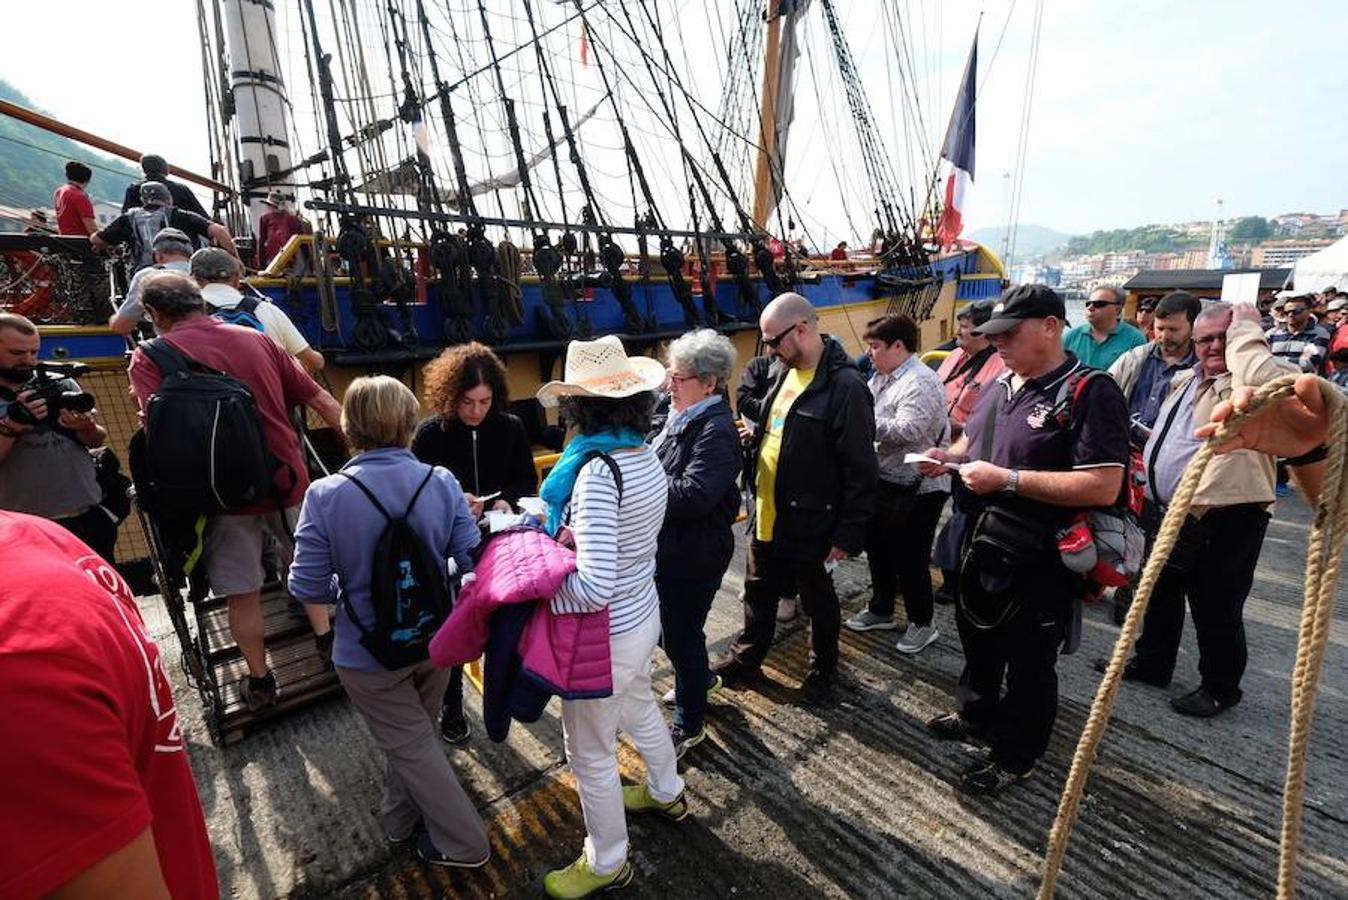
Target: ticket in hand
924, 458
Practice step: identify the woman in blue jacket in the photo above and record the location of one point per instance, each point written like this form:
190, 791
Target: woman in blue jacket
699, 448
335, 542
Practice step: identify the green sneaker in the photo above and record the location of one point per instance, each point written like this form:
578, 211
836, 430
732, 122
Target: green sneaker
578, 880
637, 799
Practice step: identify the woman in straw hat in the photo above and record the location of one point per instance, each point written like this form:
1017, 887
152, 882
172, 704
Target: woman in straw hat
607, 494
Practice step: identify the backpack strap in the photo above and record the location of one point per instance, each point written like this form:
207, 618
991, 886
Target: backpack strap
248, 304
168, 358
613, 467
430, 470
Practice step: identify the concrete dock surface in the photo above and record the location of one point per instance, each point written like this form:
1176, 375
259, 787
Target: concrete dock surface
852, 799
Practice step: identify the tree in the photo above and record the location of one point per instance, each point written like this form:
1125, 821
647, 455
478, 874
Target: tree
1250, 230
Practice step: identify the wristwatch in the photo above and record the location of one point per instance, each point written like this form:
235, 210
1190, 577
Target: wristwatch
1012, 481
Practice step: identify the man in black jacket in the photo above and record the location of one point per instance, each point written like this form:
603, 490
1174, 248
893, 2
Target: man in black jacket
814, 477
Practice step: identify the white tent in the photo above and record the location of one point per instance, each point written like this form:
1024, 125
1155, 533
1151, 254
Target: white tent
1325, 269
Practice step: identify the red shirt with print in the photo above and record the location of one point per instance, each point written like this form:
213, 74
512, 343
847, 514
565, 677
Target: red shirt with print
72, 207
92, 751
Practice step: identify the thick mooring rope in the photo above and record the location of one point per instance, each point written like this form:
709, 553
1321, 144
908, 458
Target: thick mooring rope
1322, 571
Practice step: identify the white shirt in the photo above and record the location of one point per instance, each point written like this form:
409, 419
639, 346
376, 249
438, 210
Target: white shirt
275, 323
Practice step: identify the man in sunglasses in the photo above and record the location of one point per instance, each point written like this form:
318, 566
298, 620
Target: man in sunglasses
1104, 337
814, 473
1300, 339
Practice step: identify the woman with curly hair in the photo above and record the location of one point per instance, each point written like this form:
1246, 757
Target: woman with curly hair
487, 449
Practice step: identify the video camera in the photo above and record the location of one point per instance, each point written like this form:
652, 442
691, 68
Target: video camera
47, 385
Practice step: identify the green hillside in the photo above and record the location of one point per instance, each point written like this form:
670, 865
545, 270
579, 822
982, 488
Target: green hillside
32, 162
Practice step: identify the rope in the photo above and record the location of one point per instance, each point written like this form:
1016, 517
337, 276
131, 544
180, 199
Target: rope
509, 262
1322, 570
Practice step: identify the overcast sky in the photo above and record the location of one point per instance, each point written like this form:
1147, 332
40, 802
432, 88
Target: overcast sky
1144, 111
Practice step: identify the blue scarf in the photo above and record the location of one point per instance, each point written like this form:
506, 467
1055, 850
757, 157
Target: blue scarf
561, 481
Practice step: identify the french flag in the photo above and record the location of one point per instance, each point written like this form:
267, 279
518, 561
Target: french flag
959, 151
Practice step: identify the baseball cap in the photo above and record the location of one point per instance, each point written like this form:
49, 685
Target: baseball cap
213, 264
1025, 301
1148, 302
171, 240
1338, 303
154, 192
977, 312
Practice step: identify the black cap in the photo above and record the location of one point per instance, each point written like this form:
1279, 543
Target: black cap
1148, 302
977, 312
1025, 301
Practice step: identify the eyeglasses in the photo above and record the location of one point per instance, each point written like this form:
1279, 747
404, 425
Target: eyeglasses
775, 342
1294, 310
675, 376
1210, 339
1099, 304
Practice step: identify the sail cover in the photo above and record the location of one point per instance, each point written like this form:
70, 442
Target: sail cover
784, 104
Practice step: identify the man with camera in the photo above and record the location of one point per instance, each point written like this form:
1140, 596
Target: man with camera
47, 427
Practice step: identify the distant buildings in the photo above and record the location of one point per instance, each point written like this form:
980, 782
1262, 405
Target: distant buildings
1274, 254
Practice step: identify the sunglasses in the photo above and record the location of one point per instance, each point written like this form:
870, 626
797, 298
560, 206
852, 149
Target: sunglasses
1210, 339
776, 341
1295, 310
1099, 304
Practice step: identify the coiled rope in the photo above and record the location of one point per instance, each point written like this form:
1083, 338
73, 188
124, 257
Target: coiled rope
1322, 571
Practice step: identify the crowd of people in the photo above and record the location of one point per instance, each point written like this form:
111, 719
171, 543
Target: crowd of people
1052, 476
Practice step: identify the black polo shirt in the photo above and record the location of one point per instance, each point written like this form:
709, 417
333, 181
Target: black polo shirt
1030, 434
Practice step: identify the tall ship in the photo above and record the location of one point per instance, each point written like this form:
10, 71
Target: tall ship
528, 172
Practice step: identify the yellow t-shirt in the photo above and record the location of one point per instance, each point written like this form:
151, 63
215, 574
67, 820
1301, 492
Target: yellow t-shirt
765, 505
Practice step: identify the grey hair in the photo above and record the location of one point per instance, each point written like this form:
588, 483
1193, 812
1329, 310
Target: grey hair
1214, 309
1119, 295
704, 351
171, 294
211, 265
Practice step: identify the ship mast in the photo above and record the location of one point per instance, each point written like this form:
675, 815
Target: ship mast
260, 102
765, 193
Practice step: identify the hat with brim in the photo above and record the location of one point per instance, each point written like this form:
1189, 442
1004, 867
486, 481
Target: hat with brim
601, 368
1026, 301
274, 198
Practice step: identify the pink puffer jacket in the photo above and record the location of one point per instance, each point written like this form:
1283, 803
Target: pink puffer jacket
567, 653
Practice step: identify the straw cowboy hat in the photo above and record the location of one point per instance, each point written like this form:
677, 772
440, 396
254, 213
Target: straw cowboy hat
601, 368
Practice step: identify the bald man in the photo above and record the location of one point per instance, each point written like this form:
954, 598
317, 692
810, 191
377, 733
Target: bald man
815, 473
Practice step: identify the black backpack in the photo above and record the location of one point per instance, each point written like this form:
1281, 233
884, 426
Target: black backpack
205, 452
408, 591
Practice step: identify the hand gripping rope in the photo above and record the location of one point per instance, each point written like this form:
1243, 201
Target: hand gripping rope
1322, 571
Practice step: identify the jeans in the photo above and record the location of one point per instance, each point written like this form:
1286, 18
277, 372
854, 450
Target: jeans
590, 734
1023, 651
1224, 547
770, 576
898, 551
684, 605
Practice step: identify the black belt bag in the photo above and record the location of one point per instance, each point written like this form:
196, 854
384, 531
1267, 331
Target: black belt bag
1002, 544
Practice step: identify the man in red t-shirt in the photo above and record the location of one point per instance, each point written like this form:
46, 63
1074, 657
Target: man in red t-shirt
74, 209
233, 543
99, 799
276, 227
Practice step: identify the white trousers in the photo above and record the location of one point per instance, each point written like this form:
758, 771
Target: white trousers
590, 733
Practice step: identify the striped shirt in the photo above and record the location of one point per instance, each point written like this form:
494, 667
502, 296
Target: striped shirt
615, 542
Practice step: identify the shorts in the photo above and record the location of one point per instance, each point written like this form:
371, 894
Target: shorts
233, 549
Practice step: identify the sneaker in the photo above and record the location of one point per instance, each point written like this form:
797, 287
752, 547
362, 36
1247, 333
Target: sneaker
1199, 704
409, 838
258, 693
987, 778
454, 729
579, 880
637, 799
952, 726
917, 638
685, 741
730, 671
716, 684
1131, 672
818, 686
1283, 490
426, 850
787, 609
869, 621
943, 597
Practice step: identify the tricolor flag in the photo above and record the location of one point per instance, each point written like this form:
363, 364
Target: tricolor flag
959, 150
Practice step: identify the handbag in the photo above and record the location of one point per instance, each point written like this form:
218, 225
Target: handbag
114, 486
1002, 543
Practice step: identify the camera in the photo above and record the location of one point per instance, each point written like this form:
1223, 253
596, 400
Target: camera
47, 385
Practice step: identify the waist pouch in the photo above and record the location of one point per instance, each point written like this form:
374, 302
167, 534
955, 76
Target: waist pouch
1002, 544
